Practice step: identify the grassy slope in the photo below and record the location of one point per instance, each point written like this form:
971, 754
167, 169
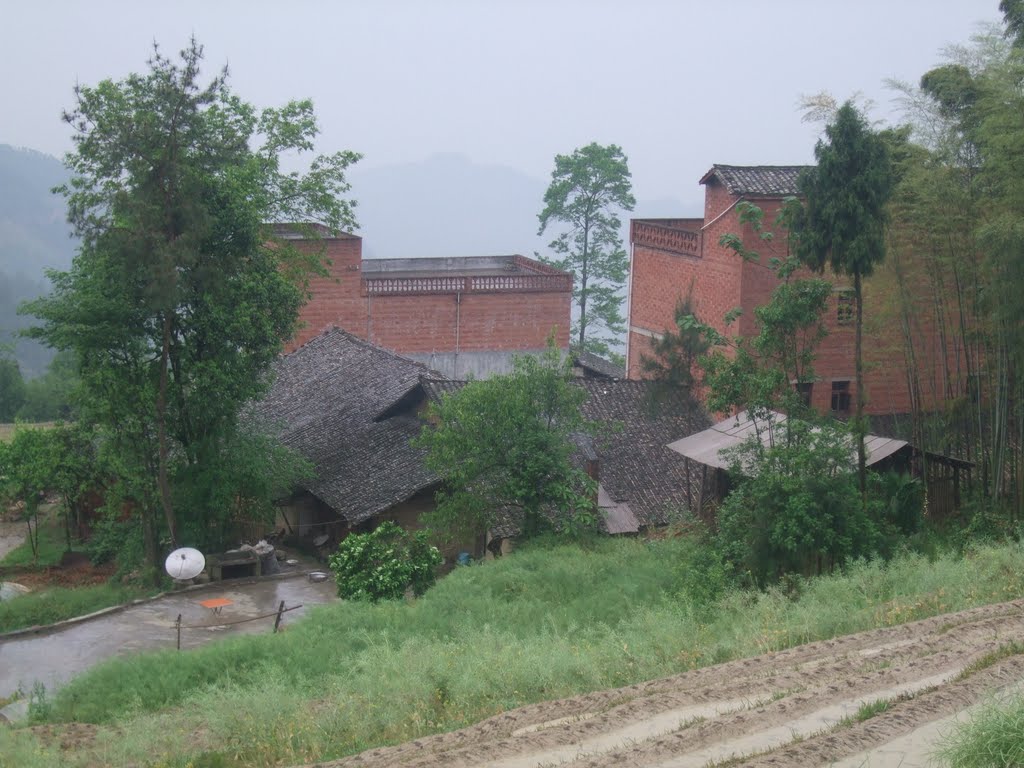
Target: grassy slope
541, 624
59, 603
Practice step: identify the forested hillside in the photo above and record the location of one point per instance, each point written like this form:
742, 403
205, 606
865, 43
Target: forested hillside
33, 237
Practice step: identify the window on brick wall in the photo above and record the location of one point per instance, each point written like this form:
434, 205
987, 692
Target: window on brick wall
804, 389
841, 396
844, 307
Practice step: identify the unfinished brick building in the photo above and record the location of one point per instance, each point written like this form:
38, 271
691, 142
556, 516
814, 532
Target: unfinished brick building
460, 316
676, 258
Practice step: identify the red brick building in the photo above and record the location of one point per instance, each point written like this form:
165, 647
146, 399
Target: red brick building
676, 258
460, 316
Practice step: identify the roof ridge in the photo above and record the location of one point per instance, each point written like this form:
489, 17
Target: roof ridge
332, 329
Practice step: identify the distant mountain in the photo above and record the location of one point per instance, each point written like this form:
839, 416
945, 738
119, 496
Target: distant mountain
448, 205
34, 236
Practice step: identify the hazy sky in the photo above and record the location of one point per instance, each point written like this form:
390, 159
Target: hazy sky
679, 85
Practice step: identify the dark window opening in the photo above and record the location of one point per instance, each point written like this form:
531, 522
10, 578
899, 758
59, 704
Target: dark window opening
804, 390
845, 308
841, 396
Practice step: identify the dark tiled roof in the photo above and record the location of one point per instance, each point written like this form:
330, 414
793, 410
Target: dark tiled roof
594, 365
761, 180
636, 465
331, 401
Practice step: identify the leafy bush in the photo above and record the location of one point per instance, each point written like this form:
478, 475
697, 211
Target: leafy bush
383, 564
796, 508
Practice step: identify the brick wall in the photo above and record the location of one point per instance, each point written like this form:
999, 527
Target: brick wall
722, 281
502, 320
468, 322
336, 297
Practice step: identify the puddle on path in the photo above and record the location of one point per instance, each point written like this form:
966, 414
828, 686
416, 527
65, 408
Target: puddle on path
55, 657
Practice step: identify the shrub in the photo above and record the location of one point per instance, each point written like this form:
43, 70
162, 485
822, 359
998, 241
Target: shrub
383, 564
796, 507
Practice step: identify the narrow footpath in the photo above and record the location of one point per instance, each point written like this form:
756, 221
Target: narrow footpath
53, 657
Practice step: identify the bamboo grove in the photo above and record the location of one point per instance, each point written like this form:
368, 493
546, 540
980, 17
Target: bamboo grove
955, 265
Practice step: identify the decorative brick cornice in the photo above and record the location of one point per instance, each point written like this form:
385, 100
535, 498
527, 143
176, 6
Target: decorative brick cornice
665, 238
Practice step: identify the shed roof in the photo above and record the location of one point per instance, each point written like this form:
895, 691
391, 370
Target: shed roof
757, 180
706, 447
594, 365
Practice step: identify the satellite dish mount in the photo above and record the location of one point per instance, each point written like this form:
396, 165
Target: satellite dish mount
185, 564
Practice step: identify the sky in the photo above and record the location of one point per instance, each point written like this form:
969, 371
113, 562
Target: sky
678, 85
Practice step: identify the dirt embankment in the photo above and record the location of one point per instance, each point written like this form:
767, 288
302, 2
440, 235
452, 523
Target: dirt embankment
793, 708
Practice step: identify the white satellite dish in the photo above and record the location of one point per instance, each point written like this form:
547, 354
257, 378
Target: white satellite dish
185, 563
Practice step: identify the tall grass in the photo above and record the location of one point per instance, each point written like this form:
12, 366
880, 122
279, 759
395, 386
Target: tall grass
993, 737
60, 603
543, 623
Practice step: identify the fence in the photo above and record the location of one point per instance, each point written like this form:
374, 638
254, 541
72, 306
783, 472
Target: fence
281, 610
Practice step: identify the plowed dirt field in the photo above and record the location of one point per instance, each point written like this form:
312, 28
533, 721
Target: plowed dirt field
796, 707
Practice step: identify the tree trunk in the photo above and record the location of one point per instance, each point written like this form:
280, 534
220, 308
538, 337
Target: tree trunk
583, 284
149, 543
862, 476
161, 420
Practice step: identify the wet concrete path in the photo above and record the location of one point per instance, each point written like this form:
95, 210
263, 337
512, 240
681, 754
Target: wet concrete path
54, 657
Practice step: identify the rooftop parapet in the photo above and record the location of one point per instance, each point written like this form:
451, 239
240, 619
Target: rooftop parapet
673, 235
467, 274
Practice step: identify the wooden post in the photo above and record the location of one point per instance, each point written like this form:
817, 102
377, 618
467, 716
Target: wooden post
277, 621
177, 625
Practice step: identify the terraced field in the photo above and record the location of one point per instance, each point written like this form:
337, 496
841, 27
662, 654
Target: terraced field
878, 698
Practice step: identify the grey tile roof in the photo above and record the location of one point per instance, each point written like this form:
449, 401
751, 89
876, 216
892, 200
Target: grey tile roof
594, 365
636, 466
758, 180
331, 401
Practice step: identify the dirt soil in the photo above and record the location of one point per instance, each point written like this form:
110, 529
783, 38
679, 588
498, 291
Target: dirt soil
791, 708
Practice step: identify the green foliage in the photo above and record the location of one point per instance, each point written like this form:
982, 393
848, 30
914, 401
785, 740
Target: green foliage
759, 373
25, 475
544, 623
43, 550
587, 189
49, 397
182, 294
12, 389
504, 445
57, 604
795, 507
674, 355
384, 563
993, 736
239, 479
842, 222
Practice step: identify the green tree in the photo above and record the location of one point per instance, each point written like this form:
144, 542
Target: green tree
587, 189
766, 372
673, 359
795, 507
504, 447
181, 293
384, 563
12, 389
26, 474
842, 223
49, 397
